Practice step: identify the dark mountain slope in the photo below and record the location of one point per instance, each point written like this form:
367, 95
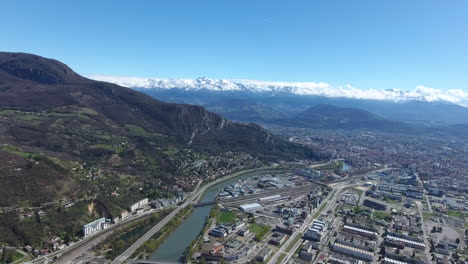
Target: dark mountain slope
49, 112
325, 116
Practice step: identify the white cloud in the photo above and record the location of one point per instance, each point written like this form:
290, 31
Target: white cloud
301, 88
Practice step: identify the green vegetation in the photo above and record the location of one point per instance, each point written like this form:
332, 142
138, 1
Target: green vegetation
135, 129
459, 214
171, 151
294, 242
427, 216
356, 190
156, 241
357, 209
26, 117
298, 249
68, 115
259, 230
117, 149
382, 216
280, 259
331, 166
20, 115
321, 208
17, 151
7, 112
391, 201
227, 217
11, 256
127, 235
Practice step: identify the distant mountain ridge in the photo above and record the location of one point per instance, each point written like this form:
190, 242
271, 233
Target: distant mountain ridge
421, 93
262, 107
324, 116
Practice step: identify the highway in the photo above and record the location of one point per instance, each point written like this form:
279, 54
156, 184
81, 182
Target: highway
75, 250
127, 253
338, 186
197, 194
67, 255
331, 203
299, 232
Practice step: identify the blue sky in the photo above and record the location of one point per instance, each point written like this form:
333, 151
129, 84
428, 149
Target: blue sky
368, 44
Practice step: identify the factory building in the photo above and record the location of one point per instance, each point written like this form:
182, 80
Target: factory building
406, 240
250, 207
353, 251
360, 230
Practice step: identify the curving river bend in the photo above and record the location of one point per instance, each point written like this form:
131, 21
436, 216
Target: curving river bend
174, 246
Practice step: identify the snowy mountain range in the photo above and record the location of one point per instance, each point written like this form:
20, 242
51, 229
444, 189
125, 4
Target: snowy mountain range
420, 93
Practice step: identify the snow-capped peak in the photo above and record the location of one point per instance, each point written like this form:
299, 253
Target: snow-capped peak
420, 93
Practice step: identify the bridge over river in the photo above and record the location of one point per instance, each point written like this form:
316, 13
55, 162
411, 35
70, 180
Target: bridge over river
151, 262
204, 203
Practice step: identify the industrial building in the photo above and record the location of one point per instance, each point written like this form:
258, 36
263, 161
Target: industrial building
250, 207
313, 234
407, 240
353, 251
277, 239
374, 205
264, 254
360, 230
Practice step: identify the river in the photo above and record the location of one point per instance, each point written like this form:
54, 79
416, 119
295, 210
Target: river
175, 245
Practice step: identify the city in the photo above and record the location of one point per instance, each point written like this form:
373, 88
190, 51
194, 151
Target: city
232, 132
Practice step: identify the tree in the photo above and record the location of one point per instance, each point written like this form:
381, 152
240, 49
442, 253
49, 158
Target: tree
37, 217
457, 241
382, 250
119, 244
9, 256
397, 251
67, 238
434, 229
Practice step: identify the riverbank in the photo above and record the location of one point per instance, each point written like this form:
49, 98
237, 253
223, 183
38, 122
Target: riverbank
157, 239
181, 241
126, 235
187, 257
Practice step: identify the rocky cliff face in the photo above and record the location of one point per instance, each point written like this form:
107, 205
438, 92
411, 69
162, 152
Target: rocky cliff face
32, 83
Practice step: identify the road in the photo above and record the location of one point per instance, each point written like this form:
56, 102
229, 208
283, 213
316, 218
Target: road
301, 230
337, 189
127, 253
423, 226
197, 194
329, 206
67, 255
79, 247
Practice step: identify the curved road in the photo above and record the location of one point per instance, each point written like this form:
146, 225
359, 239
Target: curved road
193, 198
